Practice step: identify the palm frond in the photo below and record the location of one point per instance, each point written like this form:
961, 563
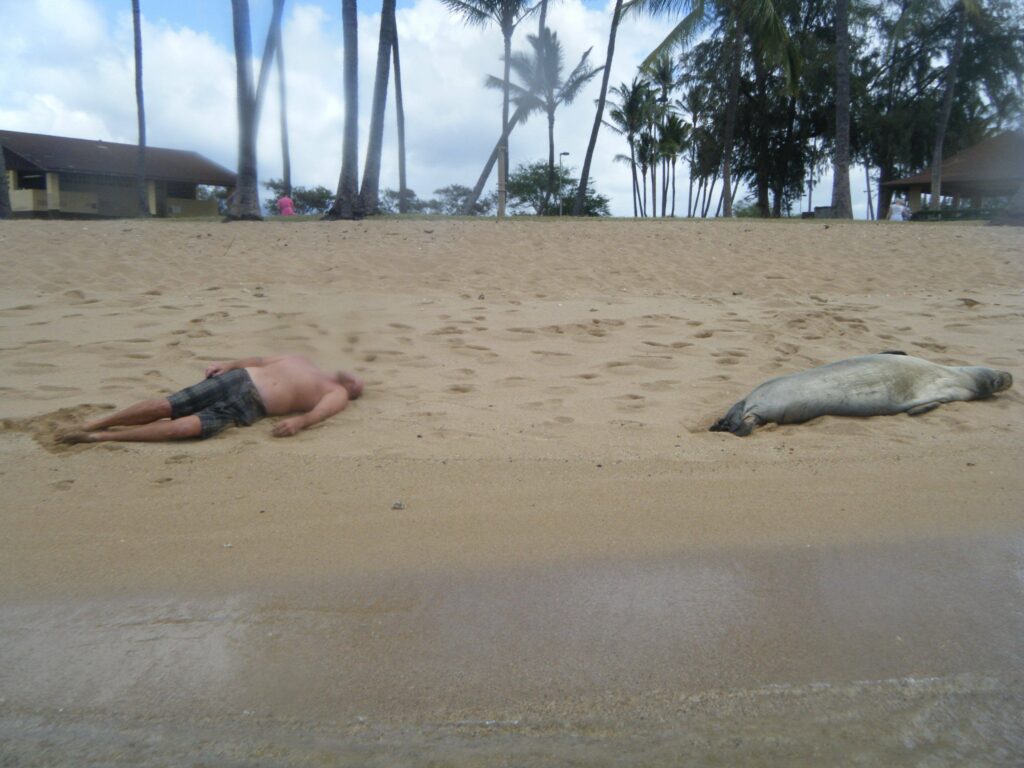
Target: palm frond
474, 14
681, 35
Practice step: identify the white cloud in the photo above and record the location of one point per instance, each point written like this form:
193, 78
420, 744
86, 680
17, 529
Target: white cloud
67, 69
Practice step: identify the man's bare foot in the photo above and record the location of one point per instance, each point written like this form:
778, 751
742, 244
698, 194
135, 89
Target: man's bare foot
73, 437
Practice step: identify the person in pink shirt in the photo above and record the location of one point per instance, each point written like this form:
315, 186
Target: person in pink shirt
286, 206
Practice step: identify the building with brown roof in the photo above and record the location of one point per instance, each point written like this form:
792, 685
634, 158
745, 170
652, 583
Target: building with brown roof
58, 176
993, 168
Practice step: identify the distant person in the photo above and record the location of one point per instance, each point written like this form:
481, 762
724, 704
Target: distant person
898, 210
286, 206
238, 393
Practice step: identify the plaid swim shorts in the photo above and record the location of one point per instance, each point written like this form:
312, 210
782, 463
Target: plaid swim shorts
230, 399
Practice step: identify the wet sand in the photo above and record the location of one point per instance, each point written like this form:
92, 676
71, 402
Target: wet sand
577, 572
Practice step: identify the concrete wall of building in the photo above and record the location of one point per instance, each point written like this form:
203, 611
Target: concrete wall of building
107, 196
178, 207
28, 200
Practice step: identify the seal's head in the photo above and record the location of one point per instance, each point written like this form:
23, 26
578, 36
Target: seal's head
988, 381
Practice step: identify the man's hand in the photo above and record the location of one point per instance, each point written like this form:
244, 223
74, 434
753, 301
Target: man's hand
288, 427
216, 369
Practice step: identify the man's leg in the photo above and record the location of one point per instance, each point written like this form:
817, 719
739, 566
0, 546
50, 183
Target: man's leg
144, 412
176, 429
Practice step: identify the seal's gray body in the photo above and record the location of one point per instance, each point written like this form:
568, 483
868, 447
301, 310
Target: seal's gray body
871, 385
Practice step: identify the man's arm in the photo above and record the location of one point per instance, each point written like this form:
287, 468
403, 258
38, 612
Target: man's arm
331, 403
216, 369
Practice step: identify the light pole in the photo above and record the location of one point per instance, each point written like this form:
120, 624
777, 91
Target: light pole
560, 156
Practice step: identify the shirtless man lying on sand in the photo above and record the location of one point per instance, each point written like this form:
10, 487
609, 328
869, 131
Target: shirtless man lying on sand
238, 393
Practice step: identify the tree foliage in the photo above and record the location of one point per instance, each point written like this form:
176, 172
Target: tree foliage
308, 201
528, 192
901, 63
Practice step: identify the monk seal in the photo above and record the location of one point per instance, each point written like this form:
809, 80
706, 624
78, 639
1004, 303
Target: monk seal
869, 385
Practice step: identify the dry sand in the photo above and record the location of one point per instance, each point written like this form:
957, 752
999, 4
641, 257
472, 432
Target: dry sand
577, 571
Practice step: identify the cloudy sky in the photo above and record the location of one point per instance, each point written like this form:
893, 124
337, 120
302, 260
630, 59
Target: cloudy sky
66, 68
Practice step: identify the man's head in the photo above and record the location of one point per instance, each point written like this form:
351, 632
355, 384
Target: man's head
352, 383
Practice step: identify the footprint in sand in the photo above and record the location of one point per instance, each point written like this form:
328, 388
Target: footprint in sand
630, 402
460, 389
661, 385
459, 373
551, 404
704, 334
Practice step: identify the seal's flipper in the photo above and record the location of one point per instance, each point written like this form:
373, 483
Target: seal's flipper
917, 410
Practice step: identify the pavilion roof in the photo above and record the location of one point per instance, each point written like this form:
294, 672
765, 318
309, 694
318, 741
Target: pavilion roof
993, 167
59, 154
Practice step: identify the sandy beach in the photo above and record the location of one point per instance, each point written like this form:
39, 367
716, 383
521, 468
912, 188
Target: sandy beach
521, 546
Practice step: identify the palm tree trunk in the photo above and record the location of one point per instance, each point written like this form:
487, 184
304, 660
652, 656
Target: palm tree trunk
503, 170
643, 204
403, 190
735, 55
140, 106
709, 195
947, 103
346, 202
549, 99
549, 193
471, 200
867, 178
246, 203
581, 190
636, 184
273, 36
286, 161
841, 205
5, 193
370, 189
654, 189
673, 188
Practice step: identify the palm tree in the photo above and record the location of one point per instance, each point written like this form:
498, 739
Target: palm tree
740, 18
286, 161
662, 73
841, 205
274, 49
646, 156
403, 189
246, 201
672, 142
346, 202
521, 114
962, 9
506, 14
581, 190
140, 162
369, 192
627, 118
269, 49
542, 87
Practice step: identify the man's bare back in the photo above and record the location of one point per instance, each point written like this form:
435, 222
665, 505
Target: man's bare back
237, 393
